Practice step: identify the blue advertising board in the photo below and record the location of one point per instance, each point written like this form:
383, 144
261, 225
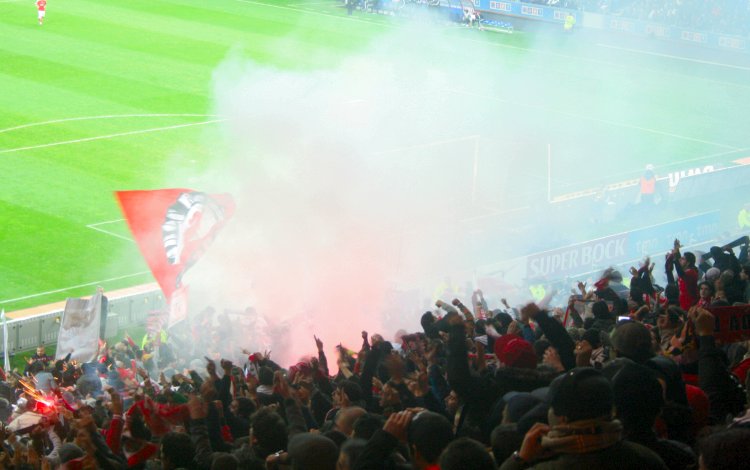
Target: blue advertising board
623, 247
527, 10
661, 31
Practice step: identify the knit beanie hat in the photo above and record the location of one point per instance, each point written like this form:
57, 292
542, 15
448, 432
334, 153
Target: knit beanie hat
513, 351
69, 451
502, 341
632, 340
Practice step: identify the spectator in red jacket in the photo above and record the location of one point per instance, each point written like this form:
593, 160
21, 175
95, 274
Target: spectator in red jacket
687, 275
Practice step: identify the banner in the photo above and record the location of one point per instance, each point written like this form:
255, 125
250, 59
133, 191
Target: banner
155, 322
527, 10
594, 255
578, 258
732, 323
79, 329
173, 228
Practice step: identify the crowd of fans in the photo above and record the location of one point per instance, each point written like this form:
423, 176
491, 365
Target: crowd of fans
730, 17
717, 16
475, 388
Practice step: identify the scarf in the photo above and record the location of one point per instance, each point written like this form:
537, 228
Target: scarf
582, 437
159, 417
145, 452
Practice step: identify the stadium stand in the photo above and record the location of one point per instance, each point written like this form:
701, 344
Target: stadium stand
536, 384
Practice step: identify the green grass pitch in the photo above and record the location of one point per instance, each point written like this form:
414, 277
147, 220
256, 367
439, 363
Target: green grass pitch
105, 94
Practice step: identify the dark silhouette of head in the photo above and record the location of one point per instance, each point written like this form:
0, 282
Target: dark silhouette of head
466, 453
429, 433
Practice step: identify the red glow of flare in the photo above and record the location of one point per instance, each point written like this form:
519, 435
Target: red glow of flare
38, 396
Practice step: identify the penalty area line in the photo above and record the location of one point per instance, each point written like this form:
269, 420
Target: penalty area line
312, 3
57, 291
116, 235
593, 119
105, 222
111, 136
106, 116
675, 57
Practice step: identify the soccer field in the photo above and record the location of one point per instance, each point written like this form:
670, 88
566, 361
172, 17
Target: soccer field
108, 96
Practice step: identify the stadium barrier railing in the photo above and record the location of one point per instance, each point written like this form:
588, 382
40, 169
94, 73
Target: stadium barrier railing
125, 312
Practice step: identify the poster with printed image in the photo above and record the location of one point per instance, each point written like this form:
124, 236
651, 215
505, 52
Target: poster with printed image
79, 329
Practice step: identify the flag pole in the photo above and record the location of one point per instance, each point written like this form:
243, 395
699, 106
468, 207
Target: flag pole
6, 356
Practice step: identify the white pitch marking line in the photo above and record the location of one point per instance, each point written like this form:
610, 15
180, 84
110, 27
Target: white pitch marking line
41, 294
428, 144
110, 136
105, 222
121, 237
313, 3
108, 116
676, 57
600, 62
589, 118
721, 154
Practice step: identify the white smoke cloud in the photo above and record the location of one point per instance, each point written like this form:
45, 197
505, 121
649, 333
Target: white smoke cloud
357, 179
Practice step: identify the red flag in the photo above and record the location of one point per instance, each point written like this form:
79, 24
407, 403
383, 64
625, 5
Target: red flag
158, 416
173, 227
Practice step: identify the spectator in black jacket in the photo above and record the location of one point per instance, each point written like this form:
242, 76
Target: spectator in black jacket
638, 399
725, 450
425, 432
581, 432
723, 390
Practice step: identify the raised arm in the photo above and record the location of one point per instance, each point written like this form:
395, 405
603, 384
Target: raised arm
381, 445
555, 333
322, 360
469, 387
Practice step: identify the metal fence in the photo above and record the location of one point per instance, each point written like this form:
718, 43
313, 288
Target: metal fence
125, 312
